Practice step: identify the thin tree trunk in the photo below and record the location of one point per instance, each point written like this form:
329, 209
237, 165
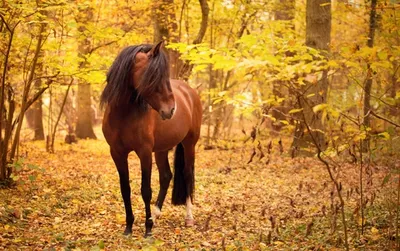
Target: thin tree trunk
284, 12
211, 83
53, 135
186, 68
38, 111
368, 82
25, 103
4, 140
37, 106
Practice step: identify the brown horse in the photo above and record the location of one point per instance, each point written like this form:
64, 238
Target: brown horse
147, 112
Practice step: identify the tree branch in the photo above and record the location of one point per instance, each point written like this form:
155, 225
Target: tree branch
204, 21
6, 24
102, 45
382, 118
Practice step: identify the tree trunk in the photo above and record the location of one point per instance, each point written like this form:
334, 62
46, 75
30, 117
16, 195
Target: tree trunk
38, 111
84, 126
318, 30
368, 82
186, 68
166, 28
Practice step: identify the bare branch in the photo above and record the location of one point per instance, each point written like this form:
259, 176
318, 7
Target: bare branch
384, 119
204, 21
6, 24
102, 45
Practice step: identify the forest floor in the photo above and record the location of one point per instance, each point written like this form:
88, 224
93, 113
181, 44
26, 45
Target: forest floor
71, 200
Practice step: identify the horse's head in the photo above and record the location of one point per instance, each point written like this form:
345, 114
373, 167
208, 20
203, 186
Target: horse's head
151, 80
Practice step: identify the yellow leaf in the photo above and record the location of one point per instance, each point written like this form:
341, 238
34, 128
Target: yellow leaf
374, 230
319, 107
75, 201
278, 243
120, 218
149, 248
57, 220
384, 135
47, 190
375, 234
86, 232
295, 110
360, 221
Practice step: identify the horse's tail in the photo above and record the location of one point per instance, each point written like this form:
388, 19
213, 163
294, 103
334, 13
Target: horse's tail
179, 191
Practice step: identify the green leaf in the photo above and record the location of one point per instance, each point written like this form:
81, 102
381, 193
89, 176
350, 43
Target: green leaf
386, 179
101, 244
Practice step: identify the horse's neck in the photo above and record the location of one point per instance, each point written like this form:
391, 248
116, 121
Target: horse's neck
126, 110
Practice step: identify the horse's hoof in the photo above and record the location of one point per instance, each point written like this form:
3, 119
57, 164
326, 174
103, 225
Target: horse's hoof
189, 222
127, 232
148, 235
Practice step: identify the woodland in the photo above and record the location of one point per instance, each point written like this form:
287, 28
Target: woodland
299, 146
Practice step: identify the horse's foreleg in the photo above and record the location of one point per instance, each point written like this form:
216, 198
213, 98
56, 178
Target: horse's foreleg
165, 175
145, 162
121, 161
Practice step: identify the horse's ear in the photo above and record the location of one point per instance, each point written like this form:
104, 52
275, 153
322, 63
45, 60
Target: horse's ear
156, 49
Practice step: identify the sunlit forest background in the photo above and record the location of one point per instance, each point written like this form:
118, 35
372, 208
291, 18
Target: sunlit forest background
299, 147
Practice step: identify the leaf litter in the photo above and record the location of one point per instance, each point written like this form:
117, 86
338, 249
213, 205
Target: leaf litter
75, 203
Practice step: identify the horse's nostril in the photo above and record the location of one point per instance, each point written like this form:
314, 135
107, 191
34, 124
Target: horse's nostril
172, 111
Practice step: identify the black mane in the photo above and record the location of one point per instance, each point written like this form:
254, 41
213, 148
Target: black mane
119, 89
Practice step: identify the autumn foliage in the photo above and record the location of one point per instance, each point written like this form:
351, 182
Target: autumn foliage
300, 137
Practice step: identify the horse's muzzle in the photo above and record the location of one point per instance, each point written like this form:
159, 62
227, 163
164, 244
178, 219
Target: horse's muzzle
167, 115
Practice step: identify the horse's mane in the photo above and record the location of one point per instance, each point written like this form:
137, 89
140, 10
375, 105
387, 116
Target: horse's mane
119, 89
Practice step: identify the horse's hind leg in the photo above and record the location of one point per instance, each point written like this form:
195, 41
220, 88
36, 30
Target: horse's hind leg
121, 161
183, 189
165, 175
189, 153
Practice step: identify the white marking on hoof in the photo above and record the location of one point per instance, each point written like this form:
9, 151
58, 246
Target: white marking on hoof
156, 213
189, 222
